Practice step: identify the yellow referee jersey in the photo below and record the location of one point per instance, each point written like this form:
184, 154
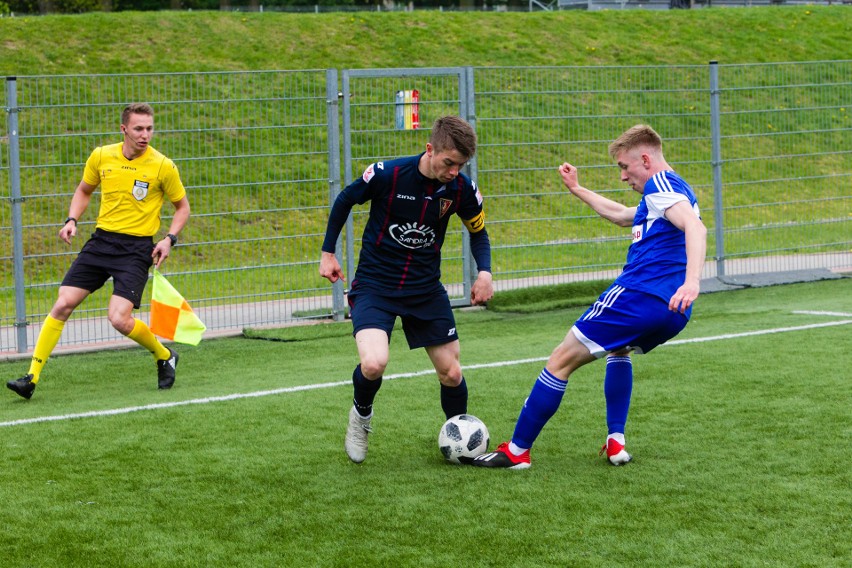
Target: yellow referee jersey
132, 191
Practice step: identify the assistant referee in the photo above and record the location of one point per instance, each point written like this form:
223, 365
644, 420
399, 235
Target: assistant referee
134, 179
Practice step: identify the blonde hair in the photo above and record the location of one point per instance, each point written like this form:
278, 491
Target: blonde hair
634, 137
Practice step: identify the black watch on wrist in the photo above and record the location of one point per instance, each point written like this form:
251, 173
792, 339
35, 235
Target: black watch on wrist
70, 219
172, 238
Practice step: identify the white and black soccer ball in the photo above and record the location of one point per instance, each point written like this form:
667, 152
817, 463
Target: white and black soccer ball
462, 438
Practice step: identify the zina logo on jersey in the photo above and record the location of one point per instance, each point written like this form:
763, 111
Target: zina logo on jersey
412, 236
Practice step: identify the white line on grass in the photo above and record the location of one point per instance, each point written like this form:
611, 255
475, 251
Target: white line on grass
206, 400
834, 314
758, 332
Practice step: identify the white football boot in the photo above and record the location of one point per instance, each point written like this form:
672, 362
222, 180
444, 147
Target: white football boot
356, 436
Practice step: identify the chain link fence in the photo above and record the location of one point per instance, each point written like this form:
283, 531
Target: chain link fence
768, 149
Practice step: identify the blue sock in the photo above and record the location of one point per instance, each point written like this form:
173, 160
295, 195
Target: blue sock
618, 385
454, 399
365, 391
544, 400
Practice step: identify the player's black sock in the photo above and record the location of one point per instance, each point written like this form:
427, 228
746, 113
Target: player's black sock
365, 391
454, 399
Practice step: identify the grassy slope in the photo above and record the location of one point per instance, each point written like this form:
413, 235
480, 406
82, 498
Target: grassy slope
214, 41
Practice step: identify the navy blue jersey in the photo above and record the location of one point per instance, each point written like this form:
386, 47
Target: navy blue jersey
409, 214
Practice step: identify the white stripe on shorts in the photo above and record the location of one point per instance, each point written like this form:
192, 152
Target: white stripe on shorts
593, 347
608, 301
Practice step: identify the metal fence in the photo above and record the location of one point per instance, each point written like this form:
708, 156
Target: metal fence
768, 149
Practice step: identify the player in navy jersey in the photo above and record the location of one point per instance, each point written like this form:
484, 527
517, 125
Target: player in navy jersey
648, 304
398, 274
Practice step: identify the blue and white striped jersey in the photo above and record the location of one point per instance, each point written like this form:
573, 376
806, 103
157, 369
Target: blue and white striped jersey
656, 260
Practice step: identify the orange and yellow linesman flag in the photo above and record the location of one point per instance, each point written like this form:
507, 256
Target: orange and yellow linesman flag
171, 316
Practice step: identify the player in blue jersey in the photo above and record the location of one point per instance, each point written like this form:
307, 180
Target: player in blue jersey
648, 304
398, 274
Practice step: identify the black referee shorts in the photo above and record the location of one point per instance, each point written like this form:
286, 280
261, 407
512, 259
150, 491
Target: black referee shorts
125, 258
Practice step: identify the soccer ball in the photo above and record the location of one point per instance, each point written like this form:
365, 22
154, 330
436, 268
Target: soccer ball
462, 438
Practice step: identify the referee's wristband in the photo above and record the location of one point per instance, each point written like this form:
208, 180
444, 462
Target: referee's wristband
70, 219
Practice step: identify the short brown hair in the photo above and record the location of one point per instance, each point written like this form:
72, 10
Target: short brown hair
453, 133
135, 108
639, 135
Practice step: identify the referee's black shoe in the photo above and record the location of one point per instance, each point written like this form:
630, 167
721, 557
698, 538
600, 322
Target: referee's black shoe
23, 386
166, 370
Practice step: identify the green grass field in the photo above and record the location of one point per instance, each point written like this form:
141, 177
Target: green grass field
740, 447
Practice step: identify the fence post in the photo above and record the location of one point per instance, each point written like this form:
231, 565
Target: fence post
334, 188
349, 265
17, 218
468, 112
716, 161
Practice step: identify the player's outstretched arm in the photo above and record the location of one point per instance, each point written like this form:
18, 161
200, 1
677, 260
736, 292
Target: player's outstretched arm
610, 210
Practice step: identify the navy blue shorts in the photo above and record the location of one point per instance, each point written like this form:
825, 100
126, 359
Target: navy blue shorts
125, 258
623, 319
427, 319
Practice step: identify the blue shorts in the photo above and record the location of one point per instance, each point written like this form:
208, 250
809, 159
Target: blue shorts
623, 319
427, 319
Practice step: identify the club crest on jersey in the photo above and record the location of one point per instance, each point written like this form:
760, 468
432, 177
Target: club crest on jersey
140, 189
445, 206
412, 235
